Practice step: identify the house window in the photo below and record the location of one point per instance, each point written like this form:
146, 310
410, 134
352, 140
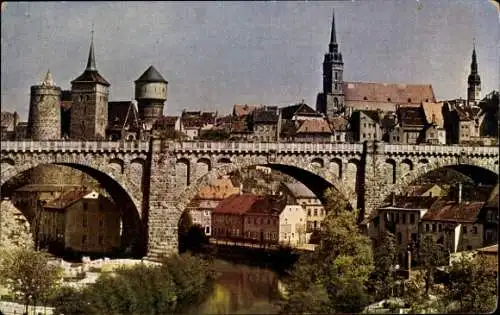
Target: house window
399, 238
414, 237
309, 212
440, 227
315, 212
433, 227
427, 227
84, 220
84, 239
85, 206
474, 230
403, 218
207, 230
464, 229
364, 135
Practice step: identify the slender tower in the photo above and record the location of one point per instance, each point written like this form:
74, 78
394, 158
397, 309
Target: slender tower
474, 81
89, 93
150, 94
331, 100
44, 121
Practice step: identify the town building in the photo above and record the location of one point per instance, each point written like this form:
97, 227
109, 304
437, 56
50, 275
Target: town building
410, 126
201, 207
193, 123
228, 216
298, 194
365, 125
489, 217
435, 132
123, 121
292, 229
456, 225
341, 129
264, 122
8, 125
401, 218
82, 221
262, 220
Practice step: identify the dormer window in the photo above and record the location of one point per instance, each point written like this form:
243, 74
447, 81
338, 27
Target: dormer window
365, 98
409, 100
388, 99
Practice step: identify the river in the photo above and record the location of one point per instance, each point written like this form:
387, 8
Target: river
240, 289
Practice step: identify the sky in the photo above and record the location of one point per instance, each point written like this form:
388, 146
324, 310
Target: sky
217, 54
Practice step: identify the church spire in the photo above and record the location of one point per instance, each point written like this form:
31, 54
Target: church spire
333, 47
48, 80
473, 65
91, 61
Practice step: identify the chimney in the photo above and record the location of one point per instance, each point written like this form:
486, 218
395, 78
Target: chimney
459, 193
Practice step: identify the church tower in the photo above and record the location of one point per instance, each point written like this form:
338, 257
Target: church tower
150, 94
474, 81
44, 120
331, 100
89, 94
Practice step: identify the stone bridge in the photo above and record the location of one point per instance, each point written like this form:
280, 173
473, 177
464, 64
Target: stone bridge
153, 181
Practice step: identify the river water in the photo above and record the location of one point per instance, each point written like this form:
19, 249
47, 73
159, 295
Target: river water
240, 289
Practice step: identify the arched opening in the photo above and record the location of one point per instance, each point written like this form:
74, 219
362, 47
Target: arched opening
71, 220
317, 162
336, 167
182, 172
390, 171
259, 180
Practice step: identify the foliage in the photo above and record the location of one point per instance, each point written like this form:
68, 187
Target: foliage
191, 236
430, 255
444, 176
472, 282
385, 258
140, 289
28, 275
215, 135
333, 277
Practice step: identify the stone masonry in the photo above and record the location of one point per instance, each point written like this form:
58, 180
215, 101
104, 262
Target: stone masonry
154, 181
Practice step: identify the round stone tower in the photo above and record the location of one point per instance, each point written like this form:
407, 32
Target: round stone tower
44, 121
150, 94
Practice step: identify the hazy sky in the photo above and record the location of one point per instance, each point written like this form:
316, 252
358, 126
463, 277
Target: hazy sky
216, 54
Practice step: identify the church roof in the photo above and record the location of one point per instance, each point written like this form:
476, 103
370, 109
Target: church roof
388, 93
151, 75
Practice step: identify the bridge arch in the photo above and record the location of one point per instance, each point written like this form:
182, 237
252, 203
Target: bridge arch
479, 171
321, 178
111, 179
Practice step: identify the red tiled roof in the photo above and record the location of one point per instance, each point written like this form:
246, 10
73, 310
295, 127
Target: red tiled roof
411, 116
314, 126
236, 204
443, 210
388, 92
268, 204
412, 202
67, 199
339, 123
418, 190
243, 110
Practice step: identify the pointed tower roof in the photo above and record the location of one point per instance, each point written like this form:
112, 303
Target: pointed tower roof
151, 75
333, 46
48, 80
91, 75
474, 78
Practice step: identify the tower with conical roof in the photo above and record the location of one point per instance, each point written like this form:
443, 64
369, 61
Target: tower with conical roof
474, 81
331, 100
150, 94
89, 109
44, 120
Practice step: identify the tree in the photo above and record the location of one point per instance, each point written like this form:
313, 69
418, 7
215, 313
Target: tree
28, 274
430, 255
472, 282
385, 258
333, 277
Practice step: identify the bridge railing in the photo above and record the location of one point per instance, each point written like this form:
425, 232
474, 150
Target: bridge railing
79, 146
266, 147
440, 149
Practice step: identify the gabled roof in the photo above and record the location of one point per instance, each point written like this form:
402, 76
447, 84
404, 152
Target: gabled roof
388, 92
240, 126
67, 199
389, 121
372, 114
151, 75
268, 204
314, 126
236, 204
122, 114
443, 210
418, 190
339, 123
243, 110
301, 109
411, 116
411, 202
218, 189
433, 113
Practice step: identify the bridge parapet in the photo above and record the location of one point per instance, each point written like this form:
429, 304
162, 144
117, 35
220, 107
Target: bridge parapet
451, 150
265, 147
75, 146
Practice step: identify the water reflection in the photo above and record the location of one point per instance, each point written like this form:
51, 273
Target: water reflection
241, 289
